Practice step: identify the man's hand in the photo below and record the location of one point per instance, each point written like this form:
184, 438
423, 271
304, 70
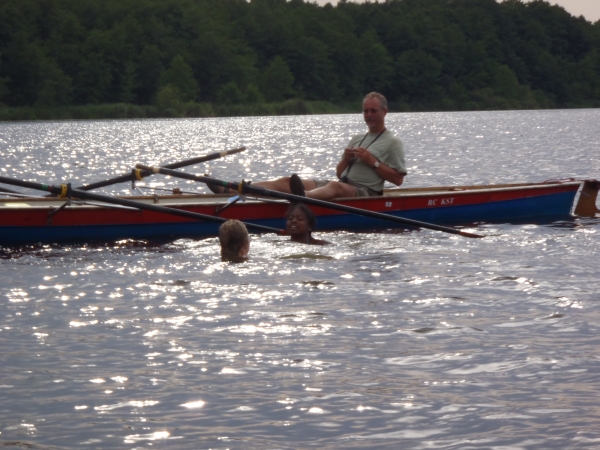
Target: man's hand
364, 155
348, 153
384, 171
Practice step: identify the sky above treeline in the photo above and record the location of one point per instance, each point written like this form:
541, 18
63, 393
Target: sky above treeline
590, 9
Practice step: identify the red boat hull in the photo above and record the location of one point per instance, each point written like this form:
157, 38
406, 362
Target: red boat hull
29, 220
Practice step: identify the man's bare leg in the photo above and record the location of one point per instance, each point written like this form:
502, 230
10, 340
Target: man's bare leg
333, 189
283, 184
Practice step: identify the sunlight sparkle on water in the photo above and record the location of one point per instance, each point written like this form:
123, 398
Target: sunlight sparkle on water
399, 339
194, 405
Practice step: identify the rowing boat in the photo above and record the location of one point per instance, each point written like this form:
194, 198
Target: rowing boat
31, 220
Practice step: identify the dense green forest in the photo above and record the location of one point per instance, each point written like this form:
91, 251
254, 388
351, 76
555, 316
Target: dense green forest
209, 57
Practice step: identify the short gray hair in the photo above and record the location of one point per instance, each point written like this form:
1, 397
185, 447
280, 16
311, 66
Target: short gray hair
378, 96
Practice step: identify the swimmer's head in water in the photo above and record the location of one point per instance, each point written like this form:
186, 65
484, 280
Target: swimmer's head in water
235, 241
300, 221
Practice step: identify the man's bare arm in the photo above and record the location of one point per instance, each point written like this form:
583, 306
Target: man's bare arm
390, 174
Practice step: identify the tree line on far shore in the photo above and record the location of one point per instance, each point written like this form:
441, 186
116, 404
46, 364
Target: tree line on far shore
214, 57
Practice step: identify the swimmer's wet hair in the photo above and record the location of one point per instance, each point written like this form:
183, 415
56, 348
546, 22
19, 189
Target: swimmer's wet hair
233, 235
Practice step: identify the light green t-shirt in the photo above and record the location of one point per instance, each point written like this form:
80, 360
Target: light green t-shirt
387, 148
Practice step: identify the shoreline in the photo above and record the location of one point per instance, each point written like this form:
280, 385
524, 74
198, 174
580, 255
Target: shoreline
115, 111
182, 110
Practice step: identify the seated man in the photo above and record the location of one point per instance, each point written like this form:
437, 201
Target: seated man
367, 162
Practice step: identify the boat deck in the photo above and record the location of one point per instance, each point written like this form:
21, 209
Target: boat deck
183, 200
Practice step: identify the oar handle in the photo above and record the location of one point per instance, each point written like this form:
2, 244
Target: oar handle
133, 176
243, 188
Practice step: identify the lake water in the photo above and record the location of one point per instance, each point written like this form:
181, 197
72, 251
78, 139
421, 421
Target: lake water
413, 340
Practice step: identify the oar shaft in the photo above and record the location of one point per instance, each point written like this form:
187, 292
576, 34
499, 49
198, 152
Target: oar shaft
201, 159
116, 180
58, 190
132, 177
248, 188
8, 191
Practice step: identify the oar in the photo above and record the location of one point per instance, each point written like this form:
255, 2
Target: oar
8, 191
243, 188
138, 175
64, 190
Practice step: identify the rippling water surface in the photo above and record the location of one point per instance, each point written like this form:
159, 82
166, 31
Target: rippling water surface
397, 339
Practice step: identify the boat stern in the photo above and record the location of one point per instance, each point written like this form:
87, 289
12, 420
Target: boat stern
586, 205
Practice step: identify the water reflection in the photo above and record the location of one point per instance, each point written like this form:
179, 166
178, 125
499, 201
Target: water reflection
396, 339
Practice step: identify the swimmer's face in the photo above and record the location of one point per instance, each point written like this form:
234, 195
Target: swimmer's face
297, 224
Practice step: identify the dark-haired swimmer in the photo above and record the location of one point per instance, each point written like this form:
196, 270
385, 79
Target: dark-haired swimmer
300, 225
235, 241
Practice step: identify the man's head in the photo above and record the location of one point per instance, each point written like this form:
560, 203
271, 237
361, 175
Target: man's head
374, 111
